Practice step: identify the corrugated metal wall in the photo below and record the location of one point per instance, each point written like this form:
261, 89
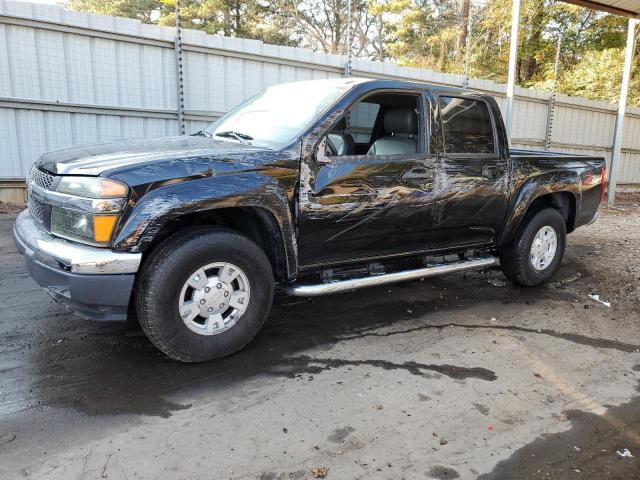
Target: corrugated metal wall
69, 78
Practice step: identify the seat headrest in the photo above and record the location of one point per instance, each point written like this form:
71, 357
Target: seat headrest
401, 120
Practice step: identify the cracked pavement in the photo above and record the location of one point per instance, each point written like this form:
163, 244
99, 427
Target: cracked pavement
454, 377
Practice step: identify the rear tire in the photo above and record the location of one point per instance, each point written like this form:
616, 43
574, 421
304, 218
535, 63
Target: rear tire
198, 271
536, 253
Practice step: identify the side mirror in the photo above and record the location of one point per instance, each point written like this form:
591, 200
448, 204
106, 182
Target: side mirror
320, 154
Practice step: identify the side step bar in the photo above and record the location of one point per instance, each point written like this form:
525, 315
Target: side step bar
355, 283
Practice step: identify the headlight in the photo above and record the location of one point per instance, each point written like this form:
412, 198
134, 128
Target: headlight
84, 227
87, 209
92, 187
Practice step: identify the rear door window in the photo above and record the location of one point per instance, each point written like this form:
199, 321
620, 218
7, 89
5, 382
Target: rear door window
467, 126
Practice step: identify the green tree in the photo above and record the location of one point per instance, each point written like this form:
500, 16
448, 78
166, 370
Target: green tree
143, 10
598, 76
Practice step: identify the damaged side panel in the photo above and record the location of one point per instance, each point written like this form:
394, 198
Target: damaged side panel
265, 182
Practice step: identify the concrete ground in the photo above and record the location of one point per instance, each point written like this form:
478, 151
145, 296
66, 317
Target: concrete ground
462, 376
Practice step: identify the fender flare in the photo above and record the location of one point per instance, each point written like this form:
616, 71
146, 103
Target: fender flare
530, 191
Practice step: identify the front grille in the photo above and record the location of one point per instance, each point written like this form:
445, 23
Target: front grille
37, 209
40, 178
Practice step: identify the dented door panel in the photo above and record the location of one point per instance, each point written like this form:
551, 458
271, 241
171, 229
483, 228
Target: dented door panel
365, 206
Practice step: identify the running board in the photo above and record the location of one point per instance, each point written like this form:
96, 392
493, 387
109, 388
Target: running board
355, 283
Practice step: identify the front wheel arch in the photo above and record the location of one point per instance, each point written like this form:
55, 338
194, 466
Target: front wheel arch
257, 224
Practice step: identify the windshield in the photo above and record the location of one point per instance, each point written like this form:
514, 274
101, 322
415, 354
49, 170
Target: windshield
278, 115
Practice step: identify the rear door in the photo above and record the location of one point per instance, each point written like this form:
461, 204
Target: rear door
473, 184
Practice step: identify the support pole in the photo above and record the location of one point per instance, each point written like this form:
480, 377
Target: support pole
179, 73
513, 59
622, 107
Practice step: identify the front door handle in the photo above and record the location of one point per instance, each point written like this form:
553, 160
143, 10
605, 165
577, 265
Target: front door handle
417, 175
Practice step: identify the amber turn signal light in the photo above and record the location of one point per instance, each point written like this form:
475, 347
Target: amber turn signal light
103, 226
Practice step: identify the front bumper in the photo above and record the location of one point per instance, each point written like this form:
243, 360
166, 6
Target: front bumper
95, 283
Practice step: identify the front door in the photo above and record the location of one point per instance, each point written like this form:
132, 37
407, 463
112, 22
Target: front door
368, 192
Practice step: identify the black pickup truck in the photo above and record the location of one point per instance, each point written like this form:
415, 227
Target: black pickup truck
316, 187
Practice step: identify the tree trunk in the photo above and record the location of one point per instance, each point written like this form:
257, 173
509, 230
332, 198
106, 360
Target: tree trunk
465, 10
226, 22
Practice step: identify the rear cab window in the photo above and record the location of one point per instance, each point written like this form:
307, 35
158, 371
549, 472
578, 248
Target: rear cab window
467, 126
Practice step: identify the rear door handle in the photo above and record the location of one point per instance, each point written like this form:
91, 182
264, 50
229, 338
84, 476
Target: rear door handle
417, 175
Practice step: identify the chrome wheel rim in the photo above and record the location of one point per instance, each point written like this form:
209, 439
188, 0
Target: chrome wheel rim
543, 248
214, 298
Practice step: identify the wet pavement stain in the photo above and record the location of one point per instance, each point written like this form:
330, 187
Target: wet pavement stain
587, 450
340, 434
110, 369
571, 337
483, 409
442, 473
298, 474
306, 364
105, 369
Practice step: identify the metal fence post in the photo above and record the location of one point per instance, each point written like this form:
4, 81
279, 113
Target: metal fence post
179, 72
552, 98
467, 53
347, 66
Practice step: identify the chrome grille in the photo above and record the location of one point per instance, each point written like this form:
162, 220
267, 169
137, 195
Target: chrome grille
36, 209
41, 178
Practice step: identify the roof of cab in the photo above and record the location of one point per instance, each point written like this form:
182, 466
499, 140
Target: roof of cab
388, 83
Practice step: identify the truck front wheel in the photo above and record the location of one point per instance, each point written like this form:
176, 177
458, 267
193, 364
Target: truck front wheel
204, 294
536, 253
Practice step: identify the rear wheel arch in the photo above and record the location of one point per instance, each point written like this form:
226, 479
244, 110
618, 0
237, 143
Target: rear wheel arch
564, 201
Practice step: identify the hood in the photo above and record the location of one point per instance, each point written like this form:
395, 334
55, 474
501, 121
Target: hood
102, 157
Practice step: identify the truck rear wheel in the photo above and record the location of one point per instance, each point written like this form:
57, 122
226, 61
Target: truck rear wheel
535, 255
204, 294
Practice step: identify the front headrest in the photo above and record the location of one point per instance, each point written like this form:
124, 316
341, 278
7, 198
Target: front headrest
401, 120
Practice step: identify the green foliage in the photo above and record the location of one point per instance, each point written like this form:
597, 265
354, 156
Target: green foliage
139, 9
598, 75
430, 34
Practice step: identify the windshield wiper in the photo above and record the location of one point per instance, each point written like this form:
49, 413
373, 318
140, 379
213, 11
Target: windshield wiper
203, 133
241, 137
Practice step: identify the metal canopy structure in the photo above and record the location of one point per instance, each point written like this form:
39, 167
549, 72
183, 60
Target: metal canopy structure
627, 8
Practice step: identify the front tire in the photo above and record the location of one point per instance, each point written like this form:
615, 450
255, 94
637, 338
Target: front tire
204, 294
535, 255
